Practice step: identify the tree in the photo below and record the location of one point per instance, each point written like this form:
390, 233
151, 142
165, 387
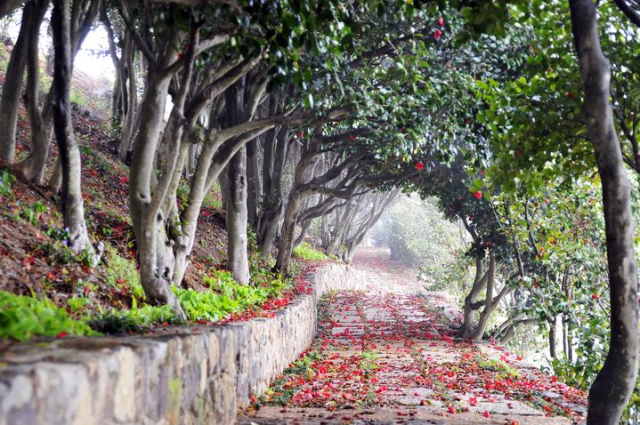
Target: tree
72, 204
612, 388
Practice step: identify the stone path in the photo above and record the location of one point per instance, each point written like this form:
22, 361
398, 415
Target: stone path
388, 356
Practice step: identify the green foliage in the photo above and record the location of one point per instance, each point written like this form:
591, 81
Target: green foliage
23, 318
6, 180
306, 252
118, 322
226, 296
78, 97
34, 213
206, 305
78, 303
213, 198
58, 253
122, 274
58, 234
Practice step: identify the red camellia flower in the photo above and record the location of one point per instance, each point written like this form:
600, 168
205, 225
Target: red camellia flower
451, 409
437, 34
352, 138
486, 414
419, 165
473, 401
61, 334
570, 95
594, 296
477, 194
554, 379
300, 134
441, 22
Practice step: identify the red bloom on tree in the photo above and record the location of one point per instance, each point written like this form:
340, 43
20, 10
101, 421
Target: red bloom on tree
352, 138
437, 34
419, 165
594, 296
477, 194
570, 95
300, 134
61, 334
441, 22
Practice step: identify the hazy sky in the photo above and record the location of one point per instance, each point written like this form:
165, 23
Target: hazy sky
86, 60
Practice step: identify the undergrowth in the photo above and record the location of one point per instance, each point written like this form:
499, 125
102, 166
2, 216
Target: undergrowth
23, 317
135, 320
306, 252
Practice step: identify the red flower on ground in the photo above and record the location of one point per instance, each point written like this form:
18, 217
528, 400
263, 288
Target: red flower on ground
61, 334
419, 165
437, 34
451, 409
477, 194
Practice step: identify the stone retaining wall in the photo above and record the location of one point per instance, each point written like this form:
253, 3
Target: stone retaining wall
191, 375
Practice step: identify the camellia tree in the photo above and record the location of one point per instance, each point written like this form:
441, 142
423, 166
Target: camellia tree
590, 114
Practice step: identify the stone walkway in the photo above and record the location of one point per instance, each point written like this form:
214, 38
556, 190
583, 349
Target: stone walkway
388, 356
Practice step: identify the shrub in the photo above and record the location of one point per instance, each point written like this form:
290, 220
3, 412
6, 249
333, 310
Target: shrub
306, 252
23, 317
118, 322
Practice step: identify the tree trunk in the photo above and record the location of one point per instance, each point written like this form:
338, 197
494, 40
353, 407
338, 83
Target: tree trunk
553, 338
156, 265
253, 184
40, 126
223, 181
13, 87
489, 304
303, 233
34, 167
8, 6
614, 384
272, 202
479, 283
237, 248
72, 204
288, 232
